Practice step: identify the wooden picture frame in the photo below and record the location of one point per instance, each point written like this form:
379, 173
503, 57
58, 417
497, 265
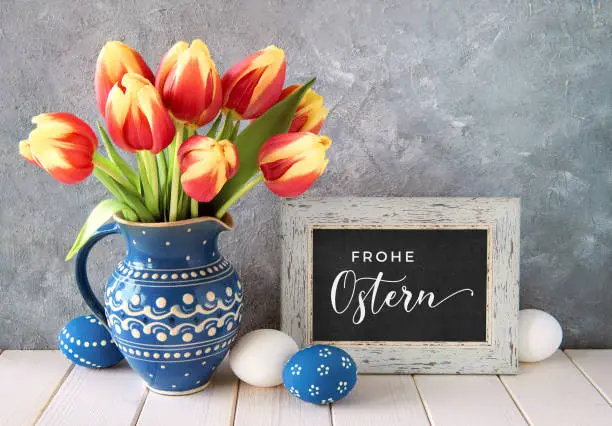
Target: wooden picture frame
500, 217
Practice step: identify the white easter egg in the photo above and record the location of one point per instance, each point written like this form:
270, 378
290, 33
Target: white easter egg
258, 357
540, 335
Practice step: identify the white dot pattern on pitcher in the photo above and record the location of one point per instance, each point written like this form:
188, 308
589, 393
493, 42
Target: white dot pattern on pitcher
140, 274
178, 354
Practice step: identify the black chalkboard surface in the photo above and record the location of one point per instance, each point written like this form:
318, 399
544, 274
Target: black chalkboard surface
399, 285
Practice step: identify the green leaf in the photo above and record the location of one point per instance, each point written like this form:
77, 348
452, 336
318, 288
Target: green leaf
98, 217
117, 160
273, 122
124, 195
212, 132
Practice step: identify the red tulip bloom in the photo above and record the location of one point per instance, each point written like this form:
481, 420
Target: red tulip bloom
63, 145
136, 117
291, 162
115, 60
189, 84
254, 84
310, 113
206, 164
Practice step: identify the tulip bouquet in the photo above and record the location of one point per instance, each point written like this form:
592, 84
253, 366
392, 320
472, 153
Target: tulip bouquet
185, 170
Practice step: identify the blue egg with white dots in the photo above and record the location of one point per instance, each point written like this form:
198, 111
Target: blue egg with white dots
85, 341
320, 374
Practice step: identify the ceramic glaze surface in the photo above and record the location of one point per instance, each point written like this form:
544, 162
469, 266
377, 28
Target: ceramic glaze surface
320, 374
173, 304
86, 342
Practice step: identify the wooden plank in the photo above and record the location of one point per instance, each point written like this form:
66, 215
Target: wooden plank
28, 379
467, 400
381, 400
555, 392
110, 396
276, 406
215, 405
596, 365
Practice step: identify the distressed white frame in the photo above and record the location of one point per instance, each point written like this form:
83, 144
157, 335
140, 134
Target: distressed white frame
499, 216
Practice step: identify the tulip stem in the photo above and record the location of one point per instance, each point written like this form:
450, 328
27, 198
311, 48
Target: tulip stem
176, 173
242, 191
194, 208
147, 190
152, 174
228, 127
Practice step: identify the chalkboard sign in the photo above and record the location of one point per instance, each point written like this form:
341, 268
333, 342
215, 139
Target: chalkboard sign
406, 285
399, 285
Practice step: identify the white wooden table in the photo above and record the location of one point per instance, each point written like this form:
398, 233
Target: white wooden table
571, 388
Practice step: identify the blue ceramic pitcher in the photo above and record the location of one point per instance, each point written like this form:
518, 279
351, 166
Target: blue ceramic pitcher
173, 304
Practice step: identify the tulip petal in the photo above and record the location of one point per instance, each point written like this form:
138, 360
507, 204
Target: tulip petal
167, 63
294, 187
158, 121
236, 73
184, 95
26, 151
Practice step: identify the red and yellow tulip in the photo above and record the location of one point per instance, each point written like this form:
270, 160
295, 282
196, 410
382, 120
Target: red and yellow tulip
206, 164
254, 84
63, 145
310, 113
115, 60
136, 117
291, 162
189, 84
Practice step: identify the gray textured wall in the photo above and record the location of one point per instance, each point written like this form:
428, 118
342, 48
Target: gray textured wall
427, 97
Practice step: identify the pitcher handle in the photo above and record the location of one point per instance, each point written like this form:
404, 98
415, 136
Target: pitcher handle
81, 270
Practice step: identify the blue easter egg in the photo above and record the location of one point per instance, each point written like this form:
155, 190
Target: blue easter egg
320, 374
85, 341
